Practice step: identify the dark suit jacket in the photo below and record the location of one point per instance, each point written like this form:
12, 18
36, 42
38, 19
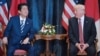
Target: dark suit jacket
13, 30
89, 30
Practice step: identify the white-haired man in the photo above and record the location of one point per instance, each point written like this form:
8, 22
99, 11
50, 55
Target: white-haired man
82, 32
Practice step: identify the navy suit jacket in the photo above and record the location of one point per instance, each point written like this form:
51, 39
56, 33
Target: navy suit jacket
89, 30
13, 30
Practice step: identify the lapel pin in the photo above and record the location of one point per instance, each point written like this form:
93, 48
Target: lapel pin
27, 23
86, 21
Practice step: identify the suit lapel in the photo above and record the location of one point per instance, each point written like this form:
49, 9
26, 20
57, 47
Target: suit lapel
75, 27
18, 24
85, 25
26, 24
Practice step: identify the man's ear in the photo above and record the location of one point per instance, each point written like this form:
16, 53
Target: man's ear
19, 12
75, 12
84, 12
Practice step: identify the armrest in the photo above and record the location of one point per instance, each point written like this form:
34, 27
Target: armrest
32, 42
96, 40
4, 49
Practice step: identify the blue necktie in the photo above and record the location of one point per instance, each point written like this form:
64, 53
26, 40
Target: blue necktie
22, 25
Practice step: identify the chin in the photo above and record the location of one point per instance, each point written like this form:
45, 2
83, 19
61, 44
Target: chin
25, 15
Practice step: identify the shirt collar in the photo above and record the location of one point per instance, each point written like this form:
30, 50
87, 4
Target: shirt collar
82, 18
22, 18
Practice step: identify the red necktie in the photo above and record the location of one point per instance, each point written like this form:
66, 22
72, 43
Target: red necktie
80, 32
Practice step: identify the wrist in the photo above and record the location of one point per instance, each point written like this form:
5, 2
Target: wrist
87, 44
27, 38
4, 37
76, 44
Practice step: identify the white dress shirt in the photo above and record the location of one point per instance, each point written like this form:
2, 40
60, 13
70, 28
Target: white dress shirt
22, 19
82, 22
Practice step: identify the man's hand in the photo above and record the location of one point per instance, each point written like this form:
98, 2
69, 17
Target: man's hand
5, 40
84, 47
25, 41
78, 45
0, 30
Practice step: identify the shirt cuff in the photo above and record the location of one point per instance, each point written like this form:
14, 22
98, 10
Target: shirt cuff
87, 44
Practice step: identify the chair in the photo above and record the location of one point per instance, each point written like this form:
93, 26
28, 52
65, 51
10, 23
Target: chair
3, 45
82, 54
79, 53
20, 52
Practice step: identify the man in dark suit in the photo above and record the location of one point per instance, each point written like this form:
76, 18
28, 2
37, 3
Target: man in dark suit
82, 32
19, 31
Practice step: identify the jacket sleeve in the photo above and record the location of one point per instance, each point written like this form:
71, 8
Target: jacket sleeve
31, 32
71, 34
92, 33
8, 28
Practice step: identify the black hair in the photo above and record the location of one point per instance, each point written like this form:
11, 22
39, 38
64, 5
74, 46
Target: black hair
21, 5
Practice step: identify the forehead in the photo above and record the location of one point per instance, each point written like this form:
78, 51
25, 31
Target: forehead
24, 6
79, 7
